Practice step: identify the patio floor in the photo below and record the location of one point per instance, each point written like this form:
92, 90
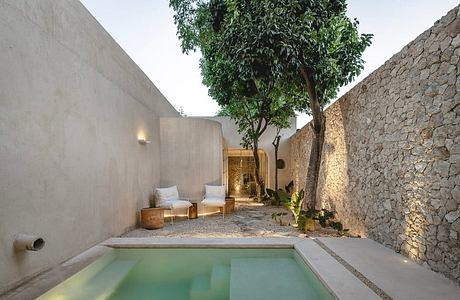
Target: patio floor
249, 220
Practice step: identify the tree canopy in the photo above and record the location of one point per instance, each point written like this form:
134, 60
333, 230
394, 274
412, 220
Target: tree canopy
270, 54
272, 42
245, 86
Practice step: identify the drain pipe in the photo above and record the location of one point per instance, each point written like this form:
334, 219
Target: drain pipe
24, 242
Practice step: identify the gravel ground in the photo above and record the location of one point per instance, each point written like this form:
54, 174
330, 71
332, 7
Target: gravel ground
249, 220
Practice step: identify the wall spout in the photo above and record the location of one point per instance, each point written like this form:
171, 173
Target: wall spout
23, 242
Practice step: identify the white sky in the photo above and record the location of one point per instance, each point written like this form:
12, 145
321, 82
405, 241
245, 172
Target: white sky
145, 30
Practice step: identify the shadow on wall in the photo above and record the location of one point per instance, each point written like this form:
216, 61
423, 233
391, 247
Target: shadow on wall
333, 181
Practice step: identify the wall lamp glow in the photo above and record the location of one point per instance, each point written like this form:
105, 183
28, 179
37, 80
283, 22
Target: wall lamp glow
143, 141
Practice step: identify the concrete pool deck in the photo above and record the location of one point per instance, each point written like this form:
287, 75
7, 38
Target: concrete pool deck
351, 268
395, 274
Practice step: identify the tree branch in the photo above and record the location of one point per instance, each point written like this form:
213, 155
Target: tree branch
261, 131
277, 136
247, 116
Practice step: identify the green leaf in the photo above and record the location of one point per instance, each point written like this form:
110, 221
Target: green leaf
283, 196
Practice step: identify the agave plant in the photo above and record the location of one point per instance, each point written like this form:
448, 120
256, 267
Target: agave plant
295, 203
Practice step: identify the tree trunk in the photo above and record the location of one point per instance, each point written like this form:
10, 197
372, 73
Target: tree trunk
260, 186
318, 126
276, 144
314, 166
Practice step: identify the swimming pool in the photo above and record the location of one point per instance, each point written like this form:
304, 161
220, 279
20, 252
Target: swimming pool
195, 274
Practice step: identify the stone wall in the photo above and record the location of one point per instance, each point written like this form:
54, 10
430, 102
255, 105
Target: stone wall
391, 158
241, 166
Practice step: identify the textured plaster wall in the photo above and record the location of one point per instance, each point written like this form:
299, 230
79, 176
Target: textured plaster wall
71, 106
391, 158
191, 155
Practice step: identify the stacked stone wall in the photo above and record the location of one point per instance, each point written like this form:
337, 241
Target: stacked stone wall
391, 158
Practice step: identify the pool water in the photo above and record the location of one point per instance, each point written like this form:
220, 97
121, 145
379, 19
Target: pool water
195, 274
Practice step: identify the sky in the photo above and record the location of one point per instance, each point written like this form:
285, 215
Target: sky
146, 31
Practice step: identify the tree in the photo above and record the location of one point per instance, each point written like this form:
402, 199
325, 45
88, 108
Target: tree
301, 49
246, 87
276, 145
253, 120
320, 50
223, 112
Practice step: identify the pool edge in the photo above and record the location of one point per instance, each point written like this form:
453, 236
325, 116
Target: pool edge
341, 283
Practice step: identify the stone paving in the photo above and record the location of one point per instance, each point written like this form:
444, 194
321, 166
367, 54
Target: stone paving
249, 220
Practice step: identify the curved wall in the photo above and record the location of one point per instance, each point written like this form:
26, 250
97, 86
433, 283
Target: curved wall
191, 154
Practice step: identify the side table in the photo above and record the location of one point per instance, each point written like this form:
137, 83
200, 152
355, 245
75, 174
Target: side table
152, 218
193, 211
229, 205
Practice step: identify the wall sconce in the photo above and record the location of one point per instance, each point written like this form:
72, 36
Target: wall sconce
143, 141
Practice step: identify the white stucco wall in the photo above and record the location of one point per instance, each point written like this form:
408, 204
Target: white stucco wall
232, 140
71, 105
191, 155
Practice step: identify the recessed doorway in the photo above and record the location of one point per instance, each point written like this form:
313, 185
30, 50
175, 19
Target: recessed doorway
241, 178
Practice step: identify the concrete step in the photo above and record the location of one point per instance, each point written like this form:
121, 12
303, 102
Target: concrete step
220, 281
211, 287
99, 286
220, 277
93, 269
106, 281
200, 288
266, 278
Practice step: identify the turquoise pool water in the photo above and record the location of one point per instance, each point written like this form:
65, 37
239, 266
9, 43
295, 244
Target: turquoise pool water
195, 274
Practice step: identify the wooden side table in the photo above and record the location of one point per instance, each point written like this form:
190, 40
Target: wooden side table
193, 211
152, 218
229, 205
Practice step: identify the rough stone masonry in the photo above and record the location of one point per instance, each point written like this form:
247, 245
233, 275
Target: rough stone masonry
391, 158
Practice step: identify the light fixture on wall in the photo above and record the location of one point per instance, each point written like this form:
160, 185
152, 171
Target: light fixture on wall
143, 141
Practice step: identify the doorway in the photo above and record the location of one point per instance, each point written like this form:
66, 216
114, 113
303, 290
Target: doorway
241, 178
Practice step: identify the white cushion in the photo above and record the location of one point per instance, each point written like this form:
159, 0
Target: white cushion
164, 194
213, 201
175, 204
215, 191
